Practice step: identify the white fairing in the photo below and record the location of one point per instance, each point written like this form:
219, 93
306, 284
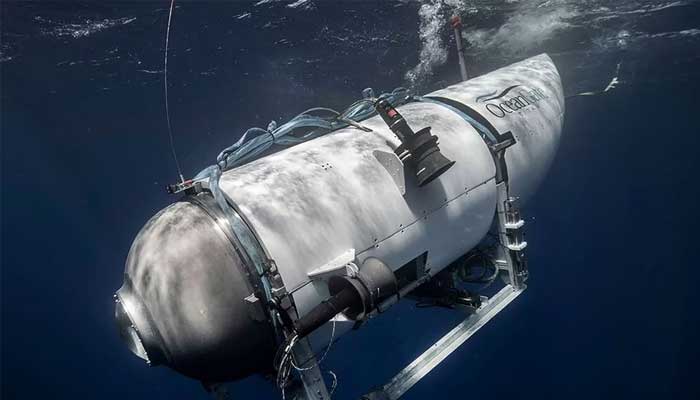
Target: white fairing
312, 202
536, 126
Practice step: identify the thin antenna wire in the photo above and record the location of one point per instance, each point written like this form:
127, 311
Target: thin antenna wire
167, 107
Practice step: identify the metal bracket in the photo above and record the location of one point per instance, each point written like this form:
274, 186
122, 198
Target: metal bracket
343, 264
394, 166
189, 186
510, 227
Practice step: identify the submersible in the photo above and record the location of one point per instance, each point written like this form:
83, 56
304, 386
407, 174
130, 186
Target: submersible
318, 236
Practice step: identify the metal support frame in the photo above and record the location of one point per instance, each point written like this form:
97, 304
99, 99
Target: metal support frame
439, 351
313, 385
446, 345
510, 260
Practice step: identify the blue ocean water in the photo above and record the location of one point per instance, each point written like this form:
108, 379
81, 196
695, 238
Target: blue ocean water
611, 308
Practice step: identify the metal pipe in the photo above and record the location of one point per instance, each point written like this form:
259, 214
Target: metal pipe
456, 22
386, 304
326, 310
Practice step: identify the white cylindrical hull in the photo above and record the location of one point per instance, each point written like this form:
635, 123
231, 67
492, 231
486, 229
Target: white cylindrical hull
193, 298
314, 201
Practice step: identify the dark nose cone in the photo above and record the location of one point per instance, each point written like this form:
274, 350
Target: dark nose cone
183, 303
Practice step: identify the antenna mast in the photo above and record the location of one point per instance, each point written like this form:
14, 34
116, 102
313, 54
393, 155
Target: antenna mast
456, 22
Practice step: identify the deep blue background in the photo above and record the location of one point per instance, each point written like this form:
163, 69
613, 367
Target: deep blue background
611, 309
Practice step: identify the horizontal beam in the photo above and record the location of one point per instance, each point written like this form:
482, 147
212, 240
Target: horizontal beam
437, 353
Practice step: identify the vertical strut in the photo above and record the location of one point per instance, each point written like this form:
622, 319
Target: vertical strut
456, 22
314, 388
